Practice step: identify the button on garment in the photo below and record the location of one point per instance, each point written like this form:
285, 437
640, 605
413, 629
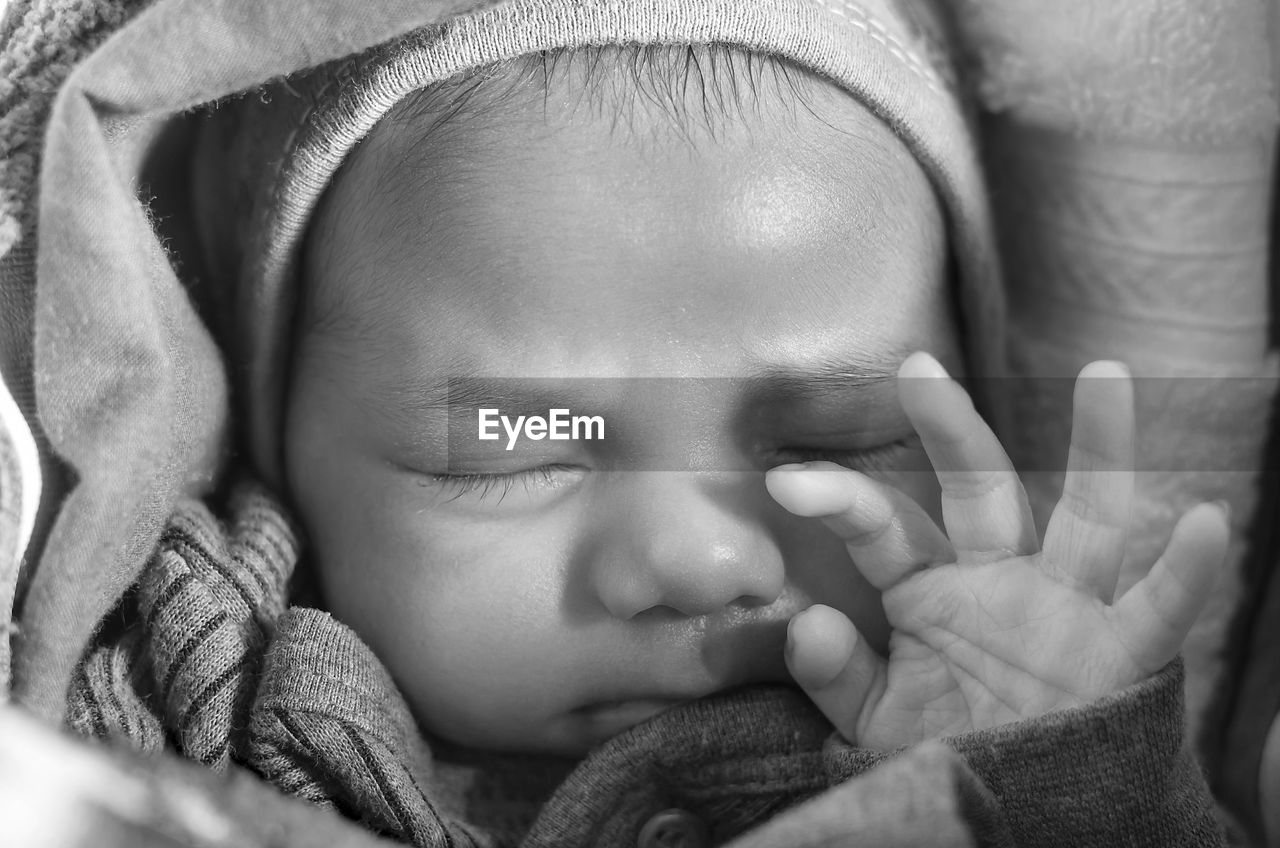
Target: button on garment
673, 828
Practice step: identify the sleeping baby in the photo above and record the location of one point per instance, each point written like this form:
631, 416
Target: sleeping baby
749, 244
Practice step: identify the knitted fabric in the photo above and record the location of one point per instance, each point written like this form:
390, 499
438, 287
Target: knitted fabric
216, 664
328, 725
215, 604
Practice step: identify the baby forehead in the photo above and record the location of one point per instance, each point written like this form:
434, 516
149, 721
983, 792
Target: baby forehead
776, 157
608, 246
665, 99
493, 212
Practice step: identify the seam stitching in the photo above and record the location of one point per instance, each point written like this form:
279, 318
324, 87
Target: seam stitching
857, 17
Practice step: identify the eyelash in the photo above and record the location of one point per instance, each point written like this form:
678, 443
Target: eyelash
460, 485
878, 458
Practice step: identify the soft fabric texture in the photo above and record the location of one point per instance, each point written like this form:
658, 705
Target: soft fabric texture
1195, 72
58, 791
297, 697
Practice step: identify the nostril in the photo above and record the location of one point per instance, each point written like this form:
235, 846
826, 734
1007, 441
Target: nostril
753, 601
658, 614
624, 594
689, 588
683, 546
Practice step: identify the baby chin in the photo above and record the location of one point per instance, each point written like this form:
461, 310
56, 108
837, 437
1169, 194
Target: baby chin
728, 657
594, 724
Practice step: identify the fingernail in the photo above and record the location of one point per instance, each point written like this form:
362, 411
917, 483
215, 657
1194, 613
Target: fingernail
927, 366
812, 466
1107, 369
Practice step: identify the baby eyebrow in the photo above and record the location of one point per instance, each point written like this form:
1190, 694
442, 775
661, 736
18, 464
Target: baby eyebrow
814, 380
426, 397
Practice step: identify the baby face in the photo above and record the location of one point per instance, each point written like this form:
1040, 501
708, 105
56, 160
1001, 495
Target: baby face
547, 597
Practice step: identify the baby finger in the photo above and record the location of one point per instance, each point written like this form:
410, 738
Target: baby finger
835, 667
888, 535
1084, 543
984, 505
1156, 614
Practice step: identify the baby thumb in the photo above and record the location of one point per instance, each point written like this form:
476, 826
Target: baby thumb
834, 665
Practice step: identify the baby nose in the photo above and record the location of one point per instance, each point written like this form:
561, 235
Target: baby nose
689, 542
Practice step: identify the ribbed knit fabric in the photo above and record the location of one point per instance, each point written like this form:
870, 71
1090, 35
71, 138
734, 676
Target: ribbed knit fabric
106, 699
328, 724
206, 605
216, 664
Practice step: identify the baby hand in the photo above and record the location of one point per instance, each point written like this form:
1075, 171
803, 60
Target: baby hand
989, 626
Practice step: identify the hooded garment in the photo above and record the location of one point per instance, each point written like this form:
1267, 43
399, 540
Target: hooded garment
132, 406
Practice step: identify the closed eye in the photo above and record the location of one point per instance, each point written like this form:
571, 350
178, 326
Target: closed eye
877, 458
484, 486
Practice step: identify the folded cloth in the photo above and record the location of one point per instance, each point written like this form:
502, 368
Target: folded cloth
19, 500
57, 792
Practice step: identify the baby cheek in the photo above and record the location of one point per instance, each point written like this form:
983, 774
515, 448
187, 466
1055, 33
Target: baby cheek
467, 603
481, 648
